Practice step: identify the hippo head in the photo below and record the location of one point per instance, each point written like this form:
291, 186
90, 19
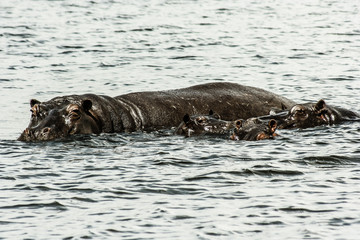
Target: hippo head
309, 115
203, 124
51, 120
253, 129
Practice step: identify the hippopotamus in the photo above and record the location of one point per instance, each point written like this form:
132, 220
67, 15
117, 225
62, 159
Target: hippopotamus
251, 129
204, 124
146, 111
311, 115
254, 129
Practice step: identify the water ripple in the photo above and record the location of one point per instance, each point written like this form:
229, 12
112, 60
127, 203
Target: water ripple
160, 186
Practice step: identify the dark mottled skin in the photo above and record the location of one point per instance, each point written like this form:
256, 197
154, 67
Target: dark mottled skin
204, 125
251, 129
254, 129
315, 114
147, 110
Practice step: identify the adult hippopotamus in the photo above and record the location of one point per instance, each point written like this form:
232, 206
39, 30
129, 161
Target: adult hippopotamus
313, 114
251, 129
90, 113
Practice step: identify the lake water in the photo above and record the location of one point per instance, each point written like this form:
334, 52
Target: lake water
302, 185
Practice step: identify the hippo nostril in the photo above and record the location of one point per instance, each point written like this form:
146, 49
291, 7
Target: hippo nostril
29, 132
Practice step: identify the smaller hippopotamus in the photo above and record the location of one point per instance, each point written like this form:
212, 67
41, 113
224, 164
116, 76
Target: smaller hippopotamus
254, 129
251, 129
203, 124
316, 114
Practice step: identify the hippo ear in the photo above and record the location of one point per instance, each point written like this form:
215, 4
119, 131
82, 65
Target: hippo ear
33, 102
214, 115
272, 125
86, 105
186, 118
320, 105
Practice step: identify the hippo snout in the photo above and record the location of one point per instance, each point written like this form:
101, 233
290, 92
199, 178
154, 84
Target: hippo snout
36, 135
27, 135
44, 133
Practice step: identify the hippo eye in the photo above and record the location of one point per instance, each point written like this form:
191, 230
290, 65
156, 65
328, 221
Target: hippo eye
200, 120
323, 112
300, 111
75, 114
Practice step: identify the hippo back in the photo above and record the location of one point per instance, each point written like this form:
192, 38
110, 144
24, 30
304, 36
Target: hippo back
157, 109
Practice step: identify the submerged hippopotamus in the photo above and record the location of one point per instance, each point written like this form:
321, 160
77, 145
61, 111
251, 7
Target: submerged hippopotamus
204, 124
312, 115
90, 113
251, 129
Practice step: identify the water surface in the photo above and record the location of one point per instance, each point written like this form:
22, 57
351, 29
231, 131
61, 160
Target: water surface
302, 185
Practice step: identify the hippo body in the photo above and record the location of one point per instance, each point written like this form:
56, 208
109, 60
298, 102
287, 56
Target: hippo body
231, 101
90, 113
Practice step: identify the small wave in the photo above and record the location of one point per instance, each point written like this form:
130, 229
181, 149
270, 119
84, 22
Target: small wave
246, 172
184, 58
166, 26
18, 26
107, 65
331, 160
270, 223
20, 35
174, 162
299, 56
172, 190
80, 190
67, 52
70, 47
142, 30
84, 199
346, 34
182, 217
7, 178
206, 24
56, 205
342, 78
96, 51
294, 209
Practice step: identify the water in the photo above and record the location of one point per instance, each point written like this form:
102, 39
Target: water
302, 185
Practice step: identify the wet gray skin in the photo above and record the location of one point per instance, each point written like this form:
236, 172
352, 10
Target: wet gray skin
316, 114
251, 129
254, 129
65, 120
210, 124
145, 111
